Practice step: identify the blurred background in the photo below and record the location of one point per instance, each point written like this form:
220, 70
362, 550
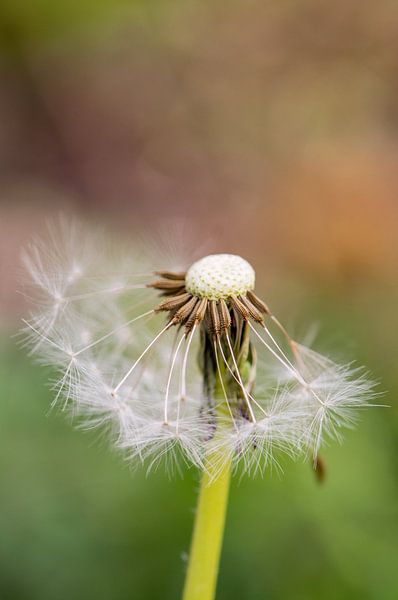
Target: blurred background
269, 128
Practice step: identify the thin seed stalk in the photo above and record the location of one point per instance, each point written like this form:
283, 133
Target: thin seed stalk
203, 566
208, 532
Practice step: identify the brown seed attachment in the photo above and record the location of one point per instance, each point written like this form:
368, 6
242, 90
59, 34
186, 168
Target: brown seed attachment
189, 310
259, 304
170, 275
168, 287
225, 317
175, 302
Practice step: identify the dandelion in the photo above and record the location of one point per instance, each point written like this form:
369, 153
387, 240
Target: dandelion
183, 365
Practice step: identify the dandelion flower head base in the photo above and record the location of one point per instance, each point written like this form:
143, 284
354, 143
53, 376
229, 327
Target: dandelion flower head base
121, 369
220, 276
211, 289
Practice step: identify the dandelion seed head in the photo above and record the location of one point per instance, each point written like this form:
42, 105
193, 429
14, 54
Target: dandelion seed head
220, 276
176, 377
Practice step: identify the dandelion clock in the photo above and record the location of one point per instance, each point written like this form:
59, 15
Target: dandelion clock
182, 365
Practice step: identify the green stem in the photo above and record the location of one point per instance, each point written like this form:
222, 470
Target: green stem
201, 578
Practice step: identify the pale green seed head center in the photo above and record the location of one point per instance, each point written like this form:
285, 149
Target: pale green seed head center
220, 276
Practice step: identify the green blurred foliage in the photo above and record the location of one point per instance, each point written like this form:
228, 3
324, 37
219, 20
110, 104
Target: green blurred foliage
36, 23
76, 522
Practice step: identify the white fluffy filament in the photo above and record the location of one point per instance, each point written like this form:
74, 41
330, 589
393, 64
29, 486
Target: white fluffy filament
141, 356
249, 406
166, 398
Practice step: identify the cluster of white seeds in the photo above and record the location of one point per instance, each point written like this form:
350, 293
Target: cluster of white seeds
121, 367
